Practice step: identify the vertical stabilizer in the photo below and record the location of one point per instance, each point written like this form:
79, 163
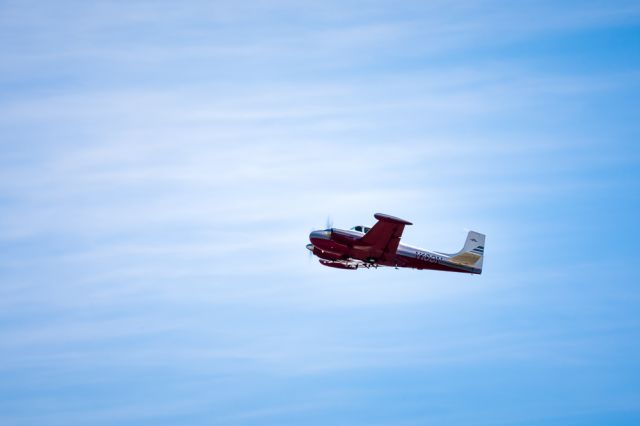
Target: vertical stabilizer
472, 253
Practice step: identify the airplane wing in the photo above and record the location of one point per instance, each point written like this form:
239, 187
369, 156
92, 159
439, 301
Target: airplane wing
384, 236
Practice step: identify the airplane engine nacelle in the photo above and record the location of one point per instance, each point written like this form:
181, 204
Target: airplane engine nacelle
324, 254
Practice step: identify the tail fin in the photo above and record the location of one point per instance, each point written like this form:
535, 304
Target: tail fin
472, 253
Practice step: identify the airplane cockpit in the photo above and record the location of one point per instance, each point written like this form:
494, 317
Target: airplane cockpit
360, 228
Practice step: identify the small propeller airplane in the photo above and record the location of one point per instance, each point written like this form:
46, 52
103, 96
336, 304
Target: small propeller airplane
363, 247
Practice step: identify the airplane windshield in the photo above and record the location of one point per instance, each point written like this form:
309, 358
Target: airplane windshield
360, 228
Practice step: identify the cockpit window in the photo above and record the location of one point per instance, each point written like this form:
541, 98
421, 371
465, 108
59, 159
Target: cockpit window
360, 228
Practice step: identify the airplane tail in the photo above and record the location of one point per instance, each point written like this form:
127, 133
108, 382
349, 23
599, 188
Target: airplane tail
472, 253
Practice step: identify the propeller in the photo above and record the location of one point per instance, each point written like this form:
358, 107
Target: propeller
310, 251
328, 225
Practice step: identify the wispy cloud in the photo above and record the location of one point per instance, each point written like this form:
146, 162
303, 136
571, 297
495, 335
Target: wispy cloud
163, 164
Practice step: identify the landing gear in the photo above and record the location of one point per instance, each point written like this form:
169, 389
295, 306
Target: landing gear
370, 262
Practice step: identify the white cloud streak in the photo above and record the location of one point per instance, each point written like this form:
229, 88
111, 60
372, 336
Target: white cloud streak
162, 167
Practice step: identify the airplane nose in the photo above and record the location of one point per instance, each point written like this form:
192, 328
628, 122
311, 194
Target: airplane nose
320, 235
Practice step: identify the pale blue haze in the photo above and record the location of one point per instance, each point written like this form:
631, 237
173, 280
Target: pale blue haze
162, 164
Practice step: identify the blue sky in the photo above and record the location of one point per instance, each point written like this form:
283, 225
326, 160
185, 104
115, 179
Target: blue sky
163, 163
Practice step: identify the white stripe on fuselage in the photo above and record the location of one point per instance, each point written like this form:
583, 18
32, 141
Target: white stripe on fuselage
412, 252
422, 254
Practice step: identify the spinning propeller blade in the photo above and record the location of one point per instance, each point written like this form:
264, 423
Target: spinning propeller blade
310, 251
328, 225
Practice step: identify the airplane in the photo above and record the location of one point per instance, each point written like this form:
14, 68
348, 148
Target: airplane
364, 247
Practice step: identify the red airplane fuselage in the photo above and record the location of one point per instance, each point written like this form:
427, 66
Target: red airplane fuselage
339, 247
